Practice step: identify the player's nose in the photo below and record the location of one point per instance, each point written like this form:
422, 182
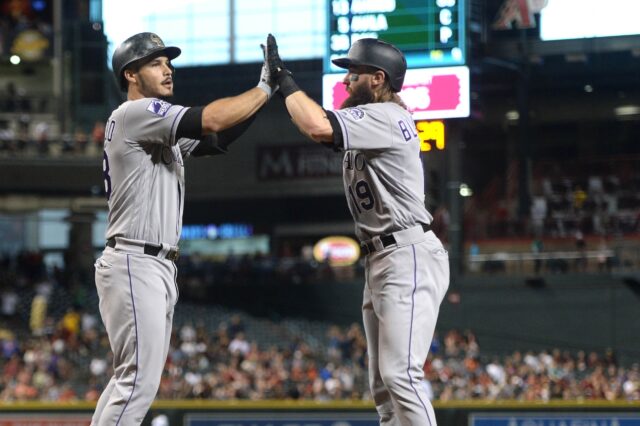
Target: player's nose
347, 79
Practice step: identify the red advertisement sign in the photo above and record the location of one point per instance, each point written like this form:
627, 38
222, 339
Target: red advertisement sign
430, 93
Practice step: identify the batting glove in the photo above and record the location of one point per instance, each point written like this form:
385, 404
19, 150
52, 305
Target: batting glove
267, 83
282, 76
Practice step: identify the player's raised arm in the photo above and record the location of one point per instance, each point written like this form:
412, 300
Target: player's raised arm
383, 179
310, 118
143, 69
143, 168
307, 115
224, 113
224, 120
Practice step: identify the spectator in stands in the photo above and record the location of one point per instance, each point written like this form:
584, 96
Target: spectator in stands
334, 343
88, 320
80, 141
581, 245
538, 215
441, 222
599, 219
41, 137
604, 260
239, 344
38, 314
7, 136
70, 323
474, 250
97, 134
537, 246
236, 325
9, 303
579, 197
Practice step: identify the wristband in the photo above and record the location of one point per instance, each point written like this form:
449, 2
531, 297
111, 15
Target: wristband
286, 82
265, 88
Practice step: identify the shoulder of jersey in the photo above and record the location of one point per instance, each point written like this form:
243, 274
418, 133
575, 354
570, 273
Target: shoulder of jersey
375, 109
394, 108
157, 106
354, 113
152, 106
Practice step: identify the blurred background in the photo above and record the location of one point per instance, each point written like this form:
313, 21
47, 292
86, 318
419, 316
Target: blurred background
529, 116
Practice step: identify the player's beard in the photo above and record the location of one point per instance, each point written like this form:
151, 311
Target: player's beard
360, 95
149, 92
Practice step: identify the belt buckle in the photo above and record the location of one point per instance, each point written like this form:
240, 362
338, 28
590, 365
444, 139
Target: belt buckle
173, 255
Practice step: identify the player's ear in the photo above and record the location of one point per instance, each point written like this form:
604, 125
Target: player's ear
130, 76
378, 78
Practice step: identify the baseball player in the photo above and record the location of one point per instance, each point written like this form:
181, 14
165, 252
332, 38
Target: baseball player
406, 266
146, 142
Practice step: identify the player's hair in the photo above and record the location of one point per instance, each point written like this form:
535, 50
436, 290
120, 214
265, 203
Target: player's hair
135, 66
386, 94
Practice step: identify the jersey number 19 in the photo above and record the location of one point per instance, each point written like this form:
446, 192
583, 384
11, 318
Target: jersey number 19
360, 193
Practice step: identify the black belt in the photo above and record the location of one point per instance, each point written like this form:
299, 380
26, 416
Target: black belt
150, 249
386, 240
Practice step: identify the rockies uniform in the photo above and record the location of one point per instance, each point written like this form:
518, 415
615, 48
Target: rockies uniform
136, 276
146, 142
406, 266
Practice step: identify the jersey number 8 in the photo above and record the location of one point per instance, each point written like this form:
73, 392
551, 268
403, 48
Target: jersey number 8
105, 173
105, 160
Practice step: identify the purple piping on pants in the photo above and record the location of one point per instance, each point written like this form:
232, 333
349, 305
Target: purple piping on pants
413, 295
135, 323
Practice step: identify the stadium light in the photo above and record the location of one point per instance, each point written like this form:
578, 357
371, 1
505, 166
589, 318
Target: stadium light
512, 115
465, 190
627, 110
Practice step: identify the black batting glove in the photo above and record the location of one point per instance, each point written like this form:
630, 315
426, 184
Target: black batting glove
282, 76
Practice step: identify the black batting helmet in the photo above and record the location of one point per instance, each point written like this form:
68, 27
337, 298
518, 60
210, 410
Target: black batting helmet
135, 48
379, 54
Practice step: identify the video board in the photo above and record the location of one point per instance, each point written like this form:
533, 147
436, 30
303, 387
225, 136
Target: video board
431, 33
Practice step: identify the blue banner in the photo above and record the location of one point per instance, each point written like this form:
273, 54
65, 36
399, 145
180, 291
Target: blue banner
561, 419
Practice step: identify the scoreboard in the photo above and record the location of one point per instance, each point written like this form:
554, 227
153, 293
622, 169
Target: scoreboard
431, 33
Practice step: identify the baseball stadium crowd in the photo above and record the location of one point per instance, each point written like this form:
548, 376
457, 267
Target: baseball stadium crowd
53, 348
64, 365
586, 197
32, 135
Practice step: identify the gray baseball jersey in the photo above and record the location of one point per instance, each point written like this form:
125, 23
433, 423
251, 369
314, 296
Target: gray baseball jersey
144, 182
383, 175
144, 171
407, 270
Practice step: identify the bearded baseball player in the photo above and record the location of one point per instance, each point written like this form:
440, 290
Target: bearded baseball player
406, 266
146, 142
